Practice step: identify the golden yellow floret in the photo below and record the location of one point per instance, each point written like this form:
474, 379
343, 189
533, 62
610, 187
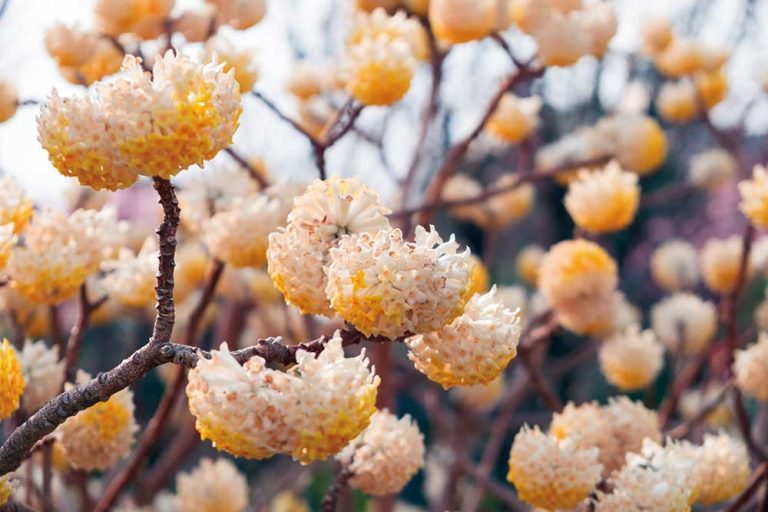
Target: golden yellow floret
379, 70
528, 263
479, 279
678, 102
11, 380
459, 21
6, 489
641, 144
712, 87
515, 118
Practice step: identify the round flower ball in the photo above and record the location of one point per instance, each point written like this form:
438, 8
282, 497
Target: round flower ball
528, 263
459, 21
632, 359
385, 456
754, 197
137, 125
712, 87
674, 266
480, 397
720, 263
515, 118
239, 14
750, 368
212, 485
723, 467
640, 143
379, 70
11, 380
15, 205
43, 372
678, 102
9, 101
684, 322
479, 279
712, 168
511, 205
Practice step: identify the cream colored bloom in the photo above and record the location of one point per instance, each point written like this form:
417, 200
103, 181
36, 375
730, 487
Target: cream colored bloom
480, 397
239, 14
386, 286
631, 359
9, 100
528, 263
603, 201
514, 298
459, 21
720, 262
70, 46
657, 34
379, 70
561, 41
680, 57
684, 322
711, 168
504, 208
754, 197
212, 485
43, 372
630, 423
551, 473
15, 205
693, 401
297, 253
479, 278
311, 411
723, 466
12, 383
144, 18
131, 278
100, 436
678, 102
473, 349
674, 266
135, 125
396, 26
640, 144
750, 368
241, 61
195, 25
385, 456
599, 21
515, 118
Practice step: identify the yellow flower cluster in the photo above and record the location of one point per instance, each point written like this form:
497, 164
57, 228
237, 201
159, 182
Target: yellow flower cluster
212, 486
497, 211
678, 102
145, 18
459, 21
135, 125
750, 368
711, 168
631, 359
15, 206
385, 456
6, 489
311, 411
754, 195
480, 397
11, 380
325, 212
723, 466
674, 266
515, 118
528, 263
473, 349
720, 263
239, 14
83, 56
379, 70
684, 323
9, 101
43, 372
241, 62
130, 278
397, 26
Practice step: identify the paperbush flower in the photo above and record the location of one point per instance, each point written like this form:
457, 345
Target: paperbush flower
379, 70
473, 349
43, 372
142, 17
460, 187
100, 436
480, 397
684, 322
723, 466
630, 423
657, 34
674, 266
640, 144
604, 201
297, 253
70, 46
385, 456
693, 401
459, 21
680, 57
241, 62
7, 242
239, 14
754, 197
504, 208
479, 278
515, 118
711, 87
750, 368
15, 205
528, 263
678, 102
104, 61
711, 168
135, 125
631, 359
130, 279
212, 485
195, 25
12, 382
386, 286
720, 263
9, 101
551, 473
397, 26
6, 489
310, 411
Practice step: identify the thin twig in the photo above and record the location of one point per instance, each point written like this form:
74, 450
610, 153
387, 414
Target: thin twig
685, 428
742, 419
55, 325
682, 382
331, 497
76, 334
254, 174
47, 495
752, 487
166, 311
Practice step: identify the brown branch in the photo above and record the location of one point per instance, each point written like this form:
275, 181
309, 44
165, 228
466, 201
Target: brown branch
279, 113
247, 166
502, 492
685, 428
47, 494
331, 497
752, 487
681, 383
742, 419
733, 299
166, 311
668, 195
76, 334
55, 325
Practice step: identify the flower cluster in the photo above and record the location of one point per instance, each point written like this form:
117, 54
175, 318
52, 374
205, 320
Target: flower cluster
511, 200
684, 323
674, 266
631, 359
12, 380
750, 367
212, 485
43, 372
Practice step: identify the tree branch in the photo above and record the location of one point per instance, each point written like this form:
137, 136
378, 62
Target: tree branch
247, 166
331, 497
76, 334
166, 312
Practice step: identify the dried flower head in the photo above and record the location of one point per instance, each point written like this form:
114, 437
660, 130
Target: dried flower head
239, 14
241, 62
15, 206
135, 125
473, 349
43, 372
101, 435
310, 411
9, 101
678, 102
386, 286
684, 322
720, 263
385, 456
551, 473
212, 485
712, 168
12, 381
480, 397
379, 70
515, 118
631, 359
674, 266
754, 195
750, 367
459, 21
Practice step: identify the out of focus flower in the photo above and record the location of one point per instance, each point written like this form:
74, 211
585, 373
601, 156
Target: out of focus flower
11, 380
420, 7
679, 58
105, 60
720, 263
7, 242
712, 168
43, 372
137, 125
311, 411
502, 209
242, 62
212, 485
515, 118
70, 46
674, 266
379, 70
632, 359
7, 486
306, 80
711, 87
131, 277
144, 18
459, 21
297, 253
196, 25
473, 349
599, 21
723, 466
551, 473
684, 322
384, 457
479, 279
239, 14
15, 205
101, 435
750, 368
693, 401
561, 41
288, 501
372, 5
640, 143
397, 26
480, 397
514, 298
657, 34
631, 423
460, 187
603, 201
678, 102
9, 101
386, 286
528, 263
754, 195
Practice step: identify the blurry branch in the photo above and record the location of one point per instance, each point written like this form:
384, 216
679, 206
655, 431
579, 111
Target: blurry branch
76, 334
12, 506
526, 350
684, 429
732, 300
681, 382
502, 492
55, 326
757, 478
28, 102
247, 166
668, 195
331, 497
341, 124
742, 419
4, 6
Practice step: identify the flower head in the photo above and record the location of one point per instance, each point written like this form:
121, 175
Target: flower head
386, 286
528, 263
7, 486
397, 26
11, 380
379, 70
9, 101
723, 465
135, 125
720, 262
754, 195
241, 62
604, 201
460, 187
693, 401
680, 57
678, 102
750, 368
551, 473
684, 322
459, 21
515, 118
480, 397
239, 14
631, 359
712, 168
104, 60
385, 456
142, 17
711, 87
43, 372
640, 144
674, 266
504, 208
15, 206
212, 485
473, 349
70, 46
